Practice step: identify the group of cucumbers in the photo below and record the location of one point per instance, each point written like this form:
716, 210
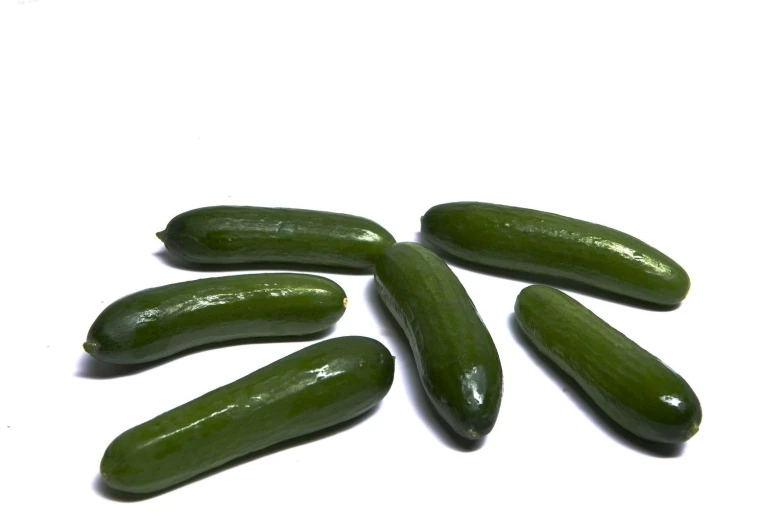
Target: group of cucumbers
335, 380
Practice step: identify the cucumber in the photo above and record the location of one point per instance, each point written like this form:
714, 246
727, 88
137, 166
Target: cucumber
456, 358
322, 385
534, 242
226, 234
159, 322
633, 387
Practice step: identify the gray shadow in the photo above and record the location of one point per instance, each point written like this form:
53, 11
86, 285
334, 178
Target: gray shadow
410, 375
106, 491
91, 368
583, 401
557, 282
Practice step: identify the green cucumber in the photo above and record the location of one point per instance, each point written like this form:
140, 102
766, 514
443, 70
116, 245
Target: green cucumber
632, 386
159, 322
322, 385
534, 242
226, 234
456, 358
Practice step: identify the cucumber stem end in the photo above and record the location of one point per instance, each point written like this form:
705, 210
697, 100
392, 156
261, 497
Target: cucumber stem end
472, 434
90, 347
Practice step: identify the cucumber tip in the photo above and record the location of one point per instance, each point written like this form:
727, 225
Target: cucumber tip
693, 430
472, 434
345, 302
90, 347
160, 234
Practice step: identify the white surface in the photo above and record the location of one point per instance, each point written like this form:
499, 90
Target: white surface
662, 119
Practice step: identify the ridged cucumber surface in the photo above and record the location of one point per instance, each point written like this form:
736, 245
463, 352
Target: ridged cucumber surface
233, 234
534, 242
631, 385
456, 358
314, 388
159, 322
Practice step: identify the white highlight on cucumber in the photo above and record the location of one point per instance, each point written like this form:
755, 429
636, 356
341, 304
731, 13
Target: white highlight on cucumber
670, 399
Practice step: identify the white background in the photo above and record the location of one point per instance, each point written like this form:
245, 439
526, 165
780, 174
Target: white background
662, 119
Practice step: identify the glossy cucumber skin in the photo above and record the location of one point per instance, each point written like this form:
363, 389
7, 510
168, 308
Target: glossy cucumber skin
228, 234
632, 386
535, 242
456, 358
322, 385
159, 322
